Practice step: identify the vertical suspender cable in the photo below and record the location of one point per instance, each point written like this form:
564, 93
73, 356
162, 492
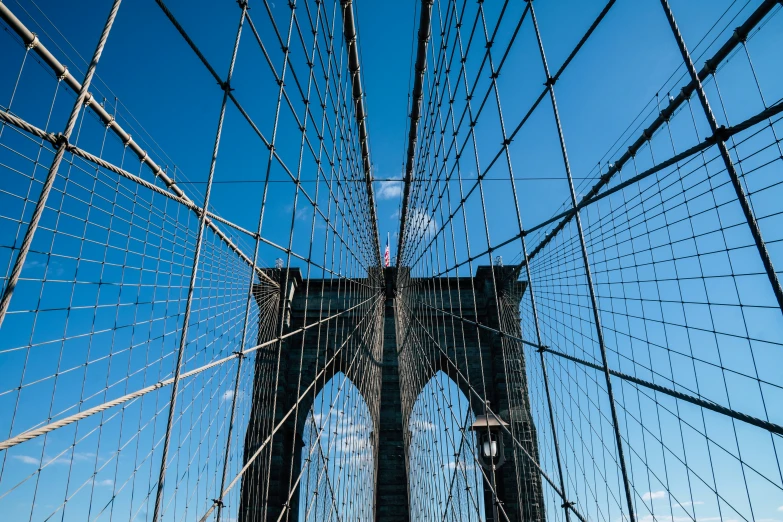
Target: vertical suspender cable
550, 81
81, 99
226, 86
720, 141
425, 22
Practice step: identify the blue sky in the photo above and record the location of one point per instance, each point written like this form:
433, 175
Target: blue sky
597, 97
630, 65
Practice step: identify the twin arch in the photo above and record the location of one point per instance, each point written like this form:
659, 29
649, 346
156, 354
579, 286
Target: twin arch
390, 359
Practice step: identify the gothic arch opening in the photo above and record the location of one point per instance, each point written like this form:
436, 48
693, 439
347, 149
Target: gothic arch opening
337, 456
445, 477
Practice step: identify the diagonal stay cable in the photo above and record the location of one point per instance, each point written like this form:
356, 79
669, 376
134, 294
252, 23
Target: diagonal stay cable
473, 391
30, 39
285, 417
76, 151
704, 403
737, 37
771, 111
52, 138
522, 122
31, 434
269, 145
51, 176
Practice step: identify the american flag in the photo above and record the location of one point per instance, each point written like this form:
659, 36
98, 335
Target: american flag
386, 256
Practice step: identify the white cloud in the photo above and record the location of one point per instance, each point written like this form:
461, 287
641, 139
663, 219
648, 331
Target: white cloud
462, 465
64, 458
654, 495
27, 459
355, 443
780, 508
422, 224
345, 428
686, 504
389, 189
304, 213
52, 266
418, 425
229, 394
346, 433
668, 518
109, 483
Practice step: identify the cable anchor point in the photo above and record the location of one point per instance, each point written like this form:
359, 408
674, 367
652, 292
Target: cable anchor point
33, 43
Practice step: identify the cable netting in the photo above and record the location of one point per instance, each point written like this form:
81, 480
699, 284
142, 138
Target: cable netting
629, 340
583, 318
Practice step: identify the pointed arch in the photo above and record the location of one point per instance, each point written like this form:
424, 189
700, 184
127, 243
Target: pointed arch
445, 478
337, 459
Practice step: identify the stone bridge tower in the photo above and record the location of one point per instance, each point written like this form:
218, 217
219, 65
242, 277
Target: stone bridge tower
490, 299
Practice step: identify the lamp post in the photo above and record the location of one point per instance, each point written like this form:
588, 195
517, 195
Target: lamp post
488, 428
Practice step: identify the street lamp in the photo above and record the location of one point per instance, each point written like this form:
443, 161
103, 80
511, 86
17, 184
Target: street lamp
489, 427
491, 455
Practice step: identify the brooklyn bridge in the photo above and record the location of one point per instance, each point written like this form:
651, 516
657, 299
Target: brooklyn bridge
431, 260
